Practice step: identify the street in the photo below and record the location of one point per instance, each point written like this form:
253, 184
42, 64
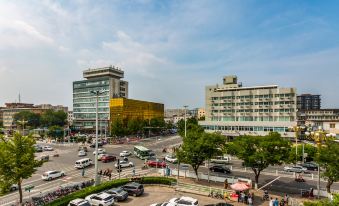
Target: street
68, 156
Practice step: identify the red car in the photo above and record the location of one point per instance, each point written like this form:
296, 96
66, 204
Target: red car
156, 163
108, 158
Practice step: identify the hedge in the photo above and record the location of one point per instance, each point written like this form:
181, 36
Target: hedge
108, 185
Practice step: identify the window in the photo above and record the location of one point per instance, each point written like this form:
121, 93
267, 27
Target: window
332, 126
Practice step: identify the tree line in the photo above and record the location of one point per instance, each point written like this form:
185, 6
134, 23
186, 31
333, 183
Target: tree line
256, 152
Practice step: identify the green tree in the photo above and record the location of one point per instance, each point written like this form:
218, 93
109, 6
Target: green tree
329, 160
33, 120
54, 118
56, 132
190, 123
117, 127
309, 149
1, 123
17, 160
258, 152
135, 126
199, 146
325, 202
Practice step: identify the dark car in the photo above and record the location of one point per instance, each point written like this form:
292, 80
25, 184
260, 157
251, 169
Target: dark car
220, 168
118, 193
134, 188
310, 166
108, 158
82, 148
99, 144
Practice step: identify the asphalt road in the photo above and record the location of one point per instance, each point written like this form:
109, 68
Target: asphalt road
68, 156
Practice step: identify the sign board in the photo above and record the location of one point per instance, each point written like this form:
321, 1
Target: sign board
29, 188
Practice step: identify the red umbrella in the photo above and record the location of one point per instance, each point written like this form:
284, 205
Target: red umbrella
240, 186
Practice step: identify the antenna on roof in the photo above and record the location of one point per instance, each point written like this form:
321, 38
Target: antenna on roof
19, 98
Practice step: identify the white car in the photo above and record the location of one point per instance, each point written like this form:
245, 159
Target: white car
48, 148
184, 201
100, 199
13, 187
163, 204
125, 153
49, 175
171, 158
79, 202
100, 151
82, 153
297, 169
124, 164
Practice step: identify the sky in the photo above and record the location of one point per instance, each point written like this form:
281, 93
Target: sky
169, 50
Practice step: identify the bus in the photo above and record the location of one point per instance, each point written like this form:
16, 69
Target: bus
142, 152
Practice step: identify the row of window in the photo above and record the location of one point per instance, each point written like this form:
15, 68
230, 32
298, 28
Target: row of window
252, 110
90, 116
89, 94
245, 128
92, 99
91, 89
100, 104
254, 103
90, 109
253, 119
90, 83
255, 96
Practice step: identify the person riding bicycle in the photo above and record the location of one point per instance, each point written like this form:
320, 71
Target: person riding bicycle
265, 196
300, 178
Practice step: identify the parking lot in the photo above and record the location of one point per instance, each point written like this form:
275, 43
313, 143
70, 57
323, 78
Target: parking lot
156, 194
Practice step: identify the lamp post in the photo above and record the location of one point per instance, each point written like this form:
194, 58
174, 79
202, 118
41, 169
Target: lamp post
23, 122
319, 136
297, 130
96, 93
185, 118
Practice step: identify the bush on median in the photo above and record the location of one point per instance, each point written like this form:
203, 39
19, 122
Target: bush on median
108, 185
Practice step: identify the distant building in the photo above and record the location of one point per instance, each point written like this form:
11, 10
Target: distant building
109, 81
257, 110
169, 113
197, 112
70, 118
201, 113
11, 109
135, 109
308, 102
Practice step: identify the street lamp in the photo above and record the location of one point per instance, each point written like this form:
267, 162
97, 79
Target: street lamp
96, 93
319, 136
185, 118
296, 130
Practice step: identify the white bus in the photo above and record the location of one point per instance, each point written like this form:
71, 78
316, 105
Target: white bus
142, 152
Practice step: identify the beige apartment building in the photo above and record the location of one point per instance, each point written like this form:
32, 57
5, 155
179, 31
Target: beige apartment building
236, 110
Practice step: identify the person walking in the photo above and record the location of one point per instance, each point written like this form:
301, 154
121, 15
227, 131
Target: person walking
271, 202
276, 202
250, 201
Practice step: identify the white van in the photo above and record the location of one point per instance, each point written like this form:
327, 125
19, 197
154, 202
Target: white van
221, 160
83, 163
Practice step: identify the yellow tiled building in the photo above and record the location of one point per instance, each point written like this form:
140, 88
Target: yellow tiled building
135, 109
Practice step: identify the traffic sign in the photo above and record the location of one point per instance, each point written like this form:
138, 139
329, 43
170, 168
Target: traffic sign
29, 188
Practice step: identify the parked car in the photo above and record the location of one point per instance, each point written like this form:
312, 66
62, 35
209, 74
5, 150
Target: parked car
48, 148
49, 175
163, 204
220, 168
171, 158
118, 193
38, 148
100, 199
100, 156
125, 153
297, 169
82, 148
44, 158
184, 201
134, 188
82, 153
310, 166
100, 144
100, 151
220, 160
124, 164
156, 163
13, 187
79, 202
108, 158
82, 163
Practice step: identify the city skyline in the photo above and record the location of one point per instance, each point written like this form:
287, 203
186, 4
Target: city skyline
169, 50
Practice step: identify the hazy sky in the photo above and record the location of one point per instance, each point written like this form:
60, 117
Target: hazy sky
169, 50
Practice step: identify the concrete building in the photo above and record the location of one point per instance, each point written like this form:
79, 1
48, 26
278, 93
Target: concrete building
197, 112
201, 113
308, 102
11, 109
70, 118
109, 81
135, 109
328, 119
236, 110
170, 113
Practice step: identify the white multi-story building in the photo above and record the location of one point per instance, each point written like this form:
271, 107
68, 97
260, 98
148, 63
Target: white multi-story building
236, 110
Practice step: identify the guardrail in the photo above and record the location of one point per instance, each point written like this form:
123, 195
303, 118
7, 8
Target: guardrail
200, 188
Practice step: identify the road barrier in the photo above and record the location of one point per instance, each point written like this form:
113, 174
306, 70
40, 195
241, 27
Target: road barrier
200, 189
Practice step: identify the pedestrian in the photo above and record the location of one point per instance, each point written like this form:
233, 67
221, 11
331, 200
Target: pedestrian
271, 202
250, 201
109, 176
83, 172
276, 202
282, 202
242, 197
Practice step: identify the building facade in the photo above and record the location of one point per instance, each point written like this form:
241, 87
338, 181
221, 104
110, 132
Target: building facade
108, 81
70, 118
236, 110
123, 108
308, 102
